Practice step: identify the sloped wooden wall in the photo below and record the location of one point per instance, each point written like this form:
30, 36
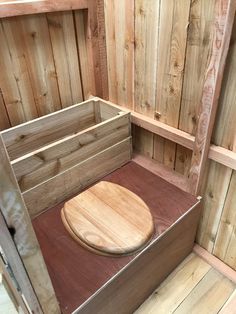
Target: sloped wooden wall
158, 52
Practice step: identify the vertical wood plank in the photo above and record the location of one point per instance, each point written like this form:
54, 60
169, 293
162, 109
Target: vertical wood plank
224, 133
225, 11
85, 55
15, 83
119, 18
16, 215
29, 37
145, 66
225, 244
199, 41
4, 119
174, 16
97, 46
215, 192
63, 39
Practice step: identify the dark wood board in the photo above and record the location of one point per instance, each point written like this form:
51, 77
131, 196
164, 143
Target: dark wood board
77, 273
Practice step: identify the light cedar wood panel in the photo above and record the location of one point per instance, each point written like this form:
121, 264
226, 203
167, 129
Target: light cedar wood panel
119, 19
63, 39
15, 84
199, 41
147, 14
173, 26
29, 39
217, 228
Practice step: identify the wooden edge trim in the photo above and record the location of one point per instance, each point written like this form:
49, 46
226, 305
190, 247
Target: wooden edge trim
217, 153
215, 263
23, 7
133, 261
162, 171
223, 156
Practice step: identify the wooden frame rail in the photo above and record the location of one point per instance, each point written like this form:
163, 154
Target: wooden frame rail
216, 153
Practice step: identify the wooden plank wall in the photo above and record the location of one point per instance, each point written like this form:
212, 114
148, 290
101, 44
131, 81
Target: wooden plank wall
158, 70
157, 56
41, 67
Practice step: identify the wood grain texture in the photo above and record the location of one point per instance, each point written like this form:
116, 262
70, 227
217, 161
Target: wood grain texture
176, 287
32, 135
119, 19
193, 287
174, 17
63, 39
82, 265
16, 215
58, 188
199, 42
13, 8
110, 219
225, 11
13, 258
50, 160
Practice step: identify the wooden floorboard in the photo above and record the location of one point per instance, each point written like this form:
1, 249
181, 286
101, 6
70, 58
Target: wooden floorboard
193, 287
75, 272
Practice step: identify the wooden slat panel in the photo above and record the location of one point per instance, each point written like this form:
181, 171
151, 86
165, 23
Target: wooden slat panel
120, 50
199, 42
75, 179
51, 160
16, 7
29, 37
169, 295
174, 17
63, 39
16, 215
30, 136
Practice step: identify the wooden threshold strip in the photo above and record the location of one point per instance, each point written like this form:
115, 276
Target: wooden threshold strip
217, 153
215, 262
23, 7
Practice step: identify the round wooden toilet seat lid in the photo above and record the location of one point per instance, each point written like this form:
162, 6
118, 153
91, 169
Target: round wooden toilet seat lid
109, 218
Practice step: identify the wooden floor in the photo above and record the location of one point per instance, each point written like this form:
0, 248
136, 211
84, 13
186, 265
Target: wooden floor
193, 287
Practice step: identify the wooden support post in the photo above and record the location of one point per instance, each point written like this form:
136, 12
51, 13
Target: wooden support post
16, 216
225, 11
98, 46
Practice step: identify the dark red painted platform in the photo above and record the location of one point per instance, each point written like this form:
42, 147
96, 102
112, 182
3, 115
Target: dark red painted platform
77, 273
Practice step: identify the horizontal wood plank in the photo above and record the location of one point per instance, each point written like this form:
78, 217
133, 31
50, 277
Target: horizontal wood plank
76, 178
23, 7
31, 135
53, 159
